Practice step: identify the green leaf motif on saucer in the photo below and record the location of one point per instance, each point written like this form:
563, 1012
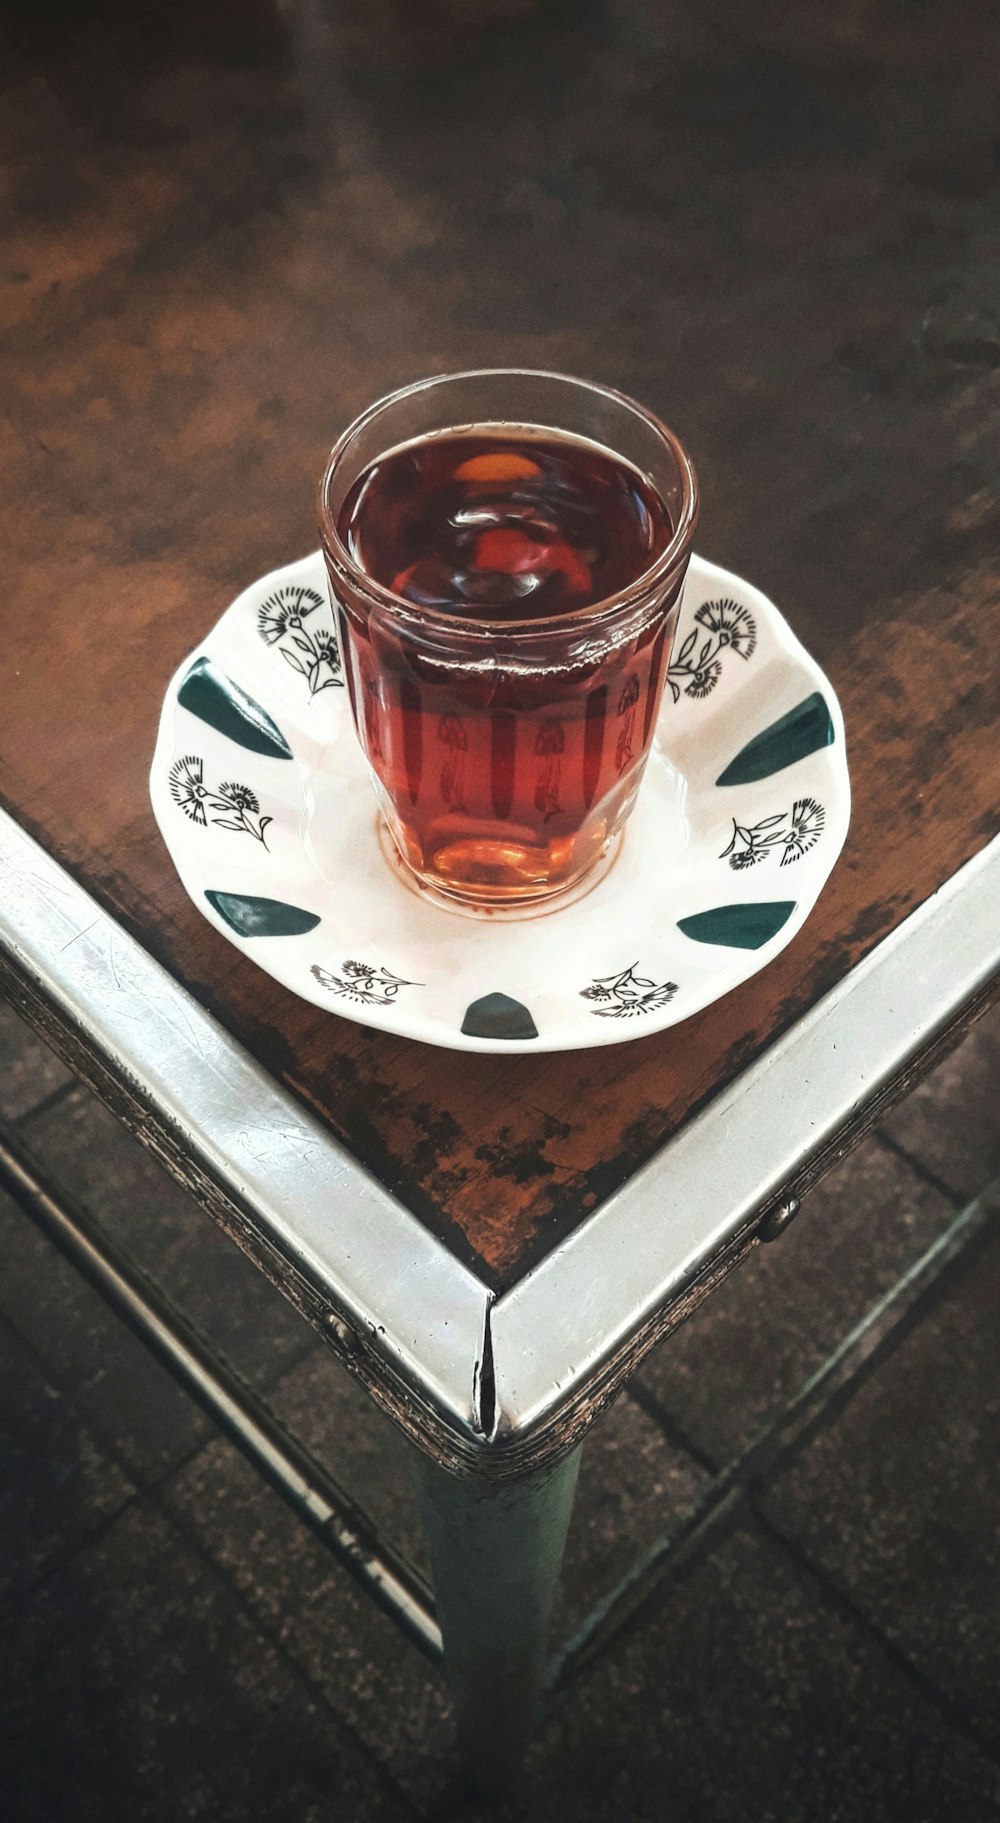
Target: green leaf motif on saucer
803, 730
738, 926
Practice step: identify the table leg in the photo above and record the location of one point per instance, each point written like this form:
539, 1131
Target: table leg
496, 1551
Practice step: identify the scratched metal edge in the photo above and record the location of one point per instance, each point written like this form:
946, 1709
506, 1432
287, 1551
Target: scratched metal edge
567, 1335
391, 1301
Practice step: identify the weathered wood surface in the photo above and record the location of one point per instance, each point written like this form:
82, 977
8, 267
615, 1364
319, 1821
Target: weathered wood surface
230, 228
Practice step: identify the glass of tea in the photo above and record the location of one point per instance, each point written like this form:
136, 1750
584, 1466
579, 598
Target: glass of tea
506, 550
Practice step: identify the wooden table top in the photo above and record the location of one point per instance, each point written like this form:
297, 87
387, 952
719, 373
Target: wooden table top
231, 227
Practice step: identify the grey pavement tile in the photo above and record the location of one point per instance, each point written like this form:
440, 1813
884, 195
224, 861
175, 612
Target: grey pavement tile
630, 1484
899, 1500
375, 1678
746, 1699
136, 1687
28, 1069
163, 1228
333, 1415
755, 1340
116, 1385
57, 1488
951, 1123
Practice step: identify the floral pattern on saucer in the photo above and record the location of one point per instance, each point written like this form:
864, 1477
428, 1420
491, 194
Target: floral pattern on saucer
794, 831
239, 805
285, 621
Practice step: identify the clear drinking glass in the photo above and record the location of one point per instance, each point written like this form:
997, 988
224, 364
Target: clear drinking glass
507, 754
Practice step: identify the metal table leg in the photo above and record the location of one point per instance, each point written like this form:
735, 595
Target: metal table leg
496, 1551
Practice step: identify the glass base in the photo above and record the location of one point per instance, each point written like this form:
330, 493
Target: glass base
486, 900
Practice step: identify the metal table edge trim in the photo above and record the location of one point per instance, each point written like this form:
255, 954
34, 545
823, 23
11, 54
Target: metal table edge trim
565, 1337
396, 1305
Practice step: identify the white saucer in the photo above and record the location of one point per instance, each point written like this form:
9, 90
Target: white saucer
263, 798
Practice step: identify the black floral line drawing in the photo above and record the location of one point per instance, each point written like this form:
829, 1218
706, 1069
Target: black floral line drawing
627, 993
361, 982
729, 626
200, 802
794, 831
312, 651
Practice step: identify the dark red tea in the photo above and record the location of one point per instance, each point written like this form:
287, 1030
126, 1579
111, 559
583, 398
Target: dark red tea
509, 750
498, 527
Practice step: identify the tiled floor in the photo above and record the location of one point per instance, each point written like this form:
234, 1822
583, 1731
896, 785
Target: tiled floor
174, 1646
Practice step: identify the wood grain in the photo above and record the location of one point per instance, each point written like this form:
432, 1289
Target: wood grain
227, 233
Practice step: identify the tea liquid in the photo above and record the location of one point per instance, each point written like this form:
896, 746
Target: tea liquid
503, 527
509, 759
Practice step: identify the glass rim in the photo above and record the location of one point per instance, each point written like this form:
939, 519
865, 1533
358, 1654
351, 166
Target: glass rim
593, 613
